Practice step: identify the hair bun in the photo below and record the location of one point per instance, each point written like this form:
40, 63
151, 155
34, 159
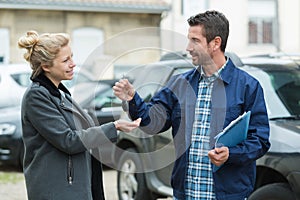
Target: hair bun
28, 42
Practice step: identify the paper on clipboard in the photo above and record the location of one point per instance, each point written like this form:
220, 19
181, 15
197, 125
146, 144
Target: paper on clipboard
234, 133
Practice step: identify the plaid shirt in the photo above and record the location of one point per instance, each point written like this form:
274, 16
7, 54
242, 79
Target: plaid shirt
199, 179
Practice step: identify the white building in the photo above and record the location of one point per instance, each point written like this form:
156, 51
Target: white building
256, 26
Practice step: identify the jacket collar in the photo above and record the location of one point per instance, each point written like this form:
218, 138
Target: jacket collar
226, 73
47, 83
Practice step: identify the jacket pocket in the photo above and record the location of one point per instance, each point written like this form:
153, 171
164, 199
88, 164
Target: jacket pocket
70, 171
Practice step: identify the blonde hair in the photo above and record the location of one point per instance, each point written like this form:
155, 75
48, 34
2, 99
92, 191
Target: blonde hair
43, 49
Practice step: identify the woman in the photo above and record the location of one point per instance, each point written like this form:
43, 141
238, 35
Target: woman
58, 135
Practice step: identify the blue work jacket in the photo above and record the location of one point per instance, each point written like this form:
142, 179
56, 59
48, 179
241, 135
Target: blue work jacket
233, 93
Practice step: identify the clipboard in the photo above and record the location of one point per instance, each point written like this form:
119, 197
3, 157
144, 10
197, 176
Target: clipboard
234, 133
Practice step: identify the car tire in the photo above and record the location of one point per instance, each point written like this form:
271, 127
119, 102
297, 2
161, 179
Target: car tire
274, 191
132, 185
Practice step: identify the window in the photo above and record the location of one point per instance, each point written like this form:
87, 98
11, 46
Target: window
262, 21
85, 40
4, 50
193, 7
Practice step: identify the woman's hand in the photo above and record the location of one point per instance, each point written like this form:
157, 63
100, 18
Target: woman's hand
127, 126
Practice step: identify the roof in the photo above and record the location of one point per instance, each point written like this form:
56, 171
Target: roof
127, 6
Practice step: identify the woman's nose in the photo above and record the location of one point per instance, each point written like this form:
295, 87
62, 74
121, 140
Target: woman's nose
72, 63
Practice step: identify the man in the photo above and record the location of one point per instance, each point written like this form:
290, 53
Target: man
197, 105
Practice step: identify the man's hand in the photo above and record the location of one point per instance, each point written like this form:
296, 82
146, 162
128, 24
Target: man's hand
124, 90
127, 126
219, 156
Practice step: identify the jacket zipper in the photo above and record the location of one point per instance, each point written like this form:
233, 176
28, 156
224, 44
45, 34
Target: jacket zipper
70, 170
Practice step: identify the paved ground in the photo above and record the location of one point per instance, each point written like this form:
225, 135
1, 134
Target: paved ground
16, 189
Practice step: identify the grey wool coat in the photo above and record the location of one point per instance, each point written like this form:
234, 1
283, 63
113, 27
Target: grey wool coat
58, 137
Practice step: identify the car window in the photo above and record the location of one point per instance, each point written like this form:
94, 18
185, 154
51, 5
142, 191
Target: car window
151, 79
280, 91
106, 99
154, 78
23, 79
287, 87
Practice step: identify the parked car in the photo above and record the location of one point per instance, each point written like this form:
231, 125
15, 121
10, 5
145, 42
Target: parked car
145, 162
94, 97
278, 172
137, 149
15, 78
11, 144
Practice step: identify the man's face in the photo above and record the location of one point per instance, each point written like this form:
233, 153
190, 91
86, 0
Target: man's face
198, 47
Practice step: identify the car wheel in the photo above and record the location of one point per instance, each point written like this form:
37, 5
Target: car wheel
274, 191
131, 185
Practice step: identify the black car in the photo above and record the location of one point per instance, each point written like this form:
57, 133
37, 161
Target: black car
145, 162
278, 172
11, 144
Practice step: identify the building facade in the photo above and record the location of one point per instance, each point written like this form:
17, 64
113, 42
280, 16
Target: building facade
104, 33
116, 35
256, 26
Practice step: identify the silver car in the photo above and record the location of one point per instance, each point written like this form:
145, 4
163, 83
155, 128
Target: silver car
15, 78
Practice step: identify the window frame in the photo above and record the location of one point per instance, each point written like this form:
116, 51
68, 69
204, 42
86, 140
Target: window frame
258, 19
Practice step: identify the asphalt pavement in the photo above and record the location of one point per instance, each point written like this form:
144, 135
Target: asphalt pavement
16, 190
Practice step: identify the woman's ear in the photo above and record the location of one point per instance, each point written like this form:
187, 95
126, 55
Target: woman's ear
45, 68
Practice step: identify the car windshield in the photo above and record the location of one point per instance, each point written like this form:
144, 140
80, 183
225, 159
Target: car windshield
23, 79
281, 91
287, 87
156, 78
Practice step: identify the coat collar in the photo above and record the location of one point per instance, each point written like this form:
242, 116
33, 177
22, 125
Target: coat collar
226, 73
47, 83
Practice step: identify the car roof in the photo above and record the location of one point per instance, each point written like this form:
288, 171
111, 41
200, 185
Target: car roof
268, 63
15, 68
265, 62
177, 55
182, 63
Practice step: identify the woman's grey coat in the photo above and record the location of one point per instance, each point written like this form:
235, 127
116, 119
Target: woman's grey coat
58, 137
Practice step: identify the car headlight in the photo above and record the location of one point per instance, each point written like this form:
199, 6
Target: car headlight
7, 129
